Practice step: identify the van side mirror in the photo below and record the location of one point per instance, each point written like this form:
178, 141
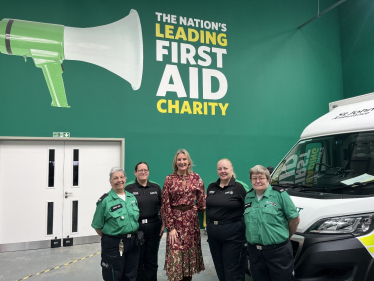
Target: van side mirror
271, 169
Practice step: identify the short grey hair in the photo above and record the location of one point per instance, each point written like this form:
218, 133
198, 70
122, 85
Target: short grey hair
258, 169
115, 169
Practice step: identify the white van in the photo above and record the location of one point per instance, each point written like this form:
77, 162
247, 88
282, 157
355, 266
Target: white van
329, 174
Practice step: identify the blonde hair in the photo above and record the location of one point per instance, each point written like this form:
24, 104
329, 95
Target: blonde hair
185, 152
233, 173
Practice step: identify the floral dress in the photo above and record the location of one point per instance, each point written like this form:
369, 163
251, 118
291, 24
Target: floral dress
184, 258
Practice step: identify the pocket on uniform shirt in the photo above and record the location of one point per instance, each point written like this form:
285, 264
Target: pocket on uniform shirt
120, 217
135, 207
247, 214
270, 215
136, 211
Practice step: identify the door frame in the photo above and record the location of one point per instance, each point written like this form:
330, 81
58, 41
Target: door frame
122, 140
48, 243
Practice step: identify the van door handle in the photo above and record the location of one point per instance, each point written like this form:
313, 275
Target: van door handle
67, 194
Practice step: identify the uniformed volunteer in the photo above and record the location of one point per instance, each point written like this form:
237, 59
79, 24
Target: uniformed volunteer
148, 195
116, 221
271, 219
225, 227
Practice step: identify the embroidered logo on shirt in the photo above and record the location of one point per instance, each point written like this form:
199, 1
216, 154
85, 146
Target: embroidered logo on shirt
229, 192
116, 207
103, 264
153, 192
135, 193
211, 192
271, 203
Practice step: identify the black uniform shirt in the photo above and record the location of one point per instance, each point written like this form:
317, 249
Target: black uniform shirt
149, 198
225, 203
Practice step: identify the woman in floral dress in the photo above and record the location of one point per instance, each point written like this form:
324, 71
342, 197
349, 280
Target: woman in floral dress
183, 195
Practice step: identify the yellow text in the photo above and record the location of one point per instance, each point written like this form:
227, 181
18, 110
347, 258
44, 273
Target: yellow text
192, 35
194, 107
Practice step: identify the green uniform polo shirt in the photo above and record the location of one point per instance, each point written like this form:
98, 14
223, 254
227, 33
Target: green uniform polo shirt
266, 221
113, 216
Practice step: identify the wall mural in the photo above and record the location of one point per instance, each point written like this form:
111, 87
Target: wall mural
117, 47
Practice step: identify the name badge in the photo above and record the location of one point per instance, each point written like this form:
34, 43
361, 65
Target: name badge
116, 207
247, 205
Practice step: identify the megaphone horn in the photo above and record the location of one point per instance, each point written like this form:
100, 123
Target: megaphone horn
117, 47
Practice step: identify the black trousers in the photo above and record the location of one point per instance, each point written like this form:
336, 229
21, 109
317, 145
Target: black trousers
148, 257
271, 264
115, 267
227, 246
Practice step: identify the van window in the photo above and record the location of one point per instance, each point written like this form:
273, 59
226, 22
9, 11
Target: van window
338, 164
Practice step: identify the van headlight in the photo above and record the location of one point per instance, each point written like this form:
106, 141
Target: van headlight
356, 225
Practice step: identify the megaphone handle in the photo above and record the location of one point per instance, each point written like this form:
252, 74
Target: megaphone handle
53, 76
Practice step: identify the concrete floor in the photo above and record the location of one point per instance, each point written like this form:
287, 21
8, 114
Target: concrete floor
81, 262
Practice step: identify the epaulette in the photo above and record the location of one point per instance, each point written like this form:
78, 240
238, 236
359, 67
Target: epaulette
102, 197
249, 190
279, 189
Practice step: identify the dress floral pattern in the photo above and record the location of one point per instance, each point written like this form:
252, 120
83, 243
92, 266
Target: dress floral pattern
183, 258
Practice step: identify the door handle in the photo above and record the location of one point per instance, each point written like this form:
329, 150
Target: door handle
67, 194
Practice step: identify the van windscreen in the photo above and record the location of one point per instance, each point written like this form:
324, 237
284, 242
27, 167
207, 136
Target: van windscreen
337, 164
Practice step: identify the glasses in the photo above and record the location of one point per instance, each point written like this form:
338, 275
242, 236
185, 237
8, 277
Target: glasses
143, 171
260, 179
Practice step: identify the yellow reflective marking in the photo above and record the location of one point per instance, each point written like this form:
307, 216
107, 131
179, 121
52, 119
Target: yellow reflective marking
27, 277
368, 241
371, 249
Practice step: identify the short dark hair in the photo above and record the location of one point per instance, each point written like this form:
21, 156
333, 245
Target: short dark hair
142, 162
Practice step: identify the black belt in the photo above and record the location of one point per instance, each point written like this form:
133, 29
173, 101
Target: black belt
144, 221
183, 208
224, 222
269, 247
128, 235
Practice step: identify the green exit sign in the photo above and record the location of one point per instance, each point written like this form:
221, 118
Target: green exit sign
61, 134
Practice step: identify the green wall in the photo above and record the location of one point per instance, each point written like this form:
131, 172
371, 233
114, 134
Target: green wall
279, 80
356, 20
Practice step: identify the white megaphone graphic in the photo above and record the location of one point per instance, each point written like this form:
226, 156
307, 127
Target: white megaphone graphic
117, 47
